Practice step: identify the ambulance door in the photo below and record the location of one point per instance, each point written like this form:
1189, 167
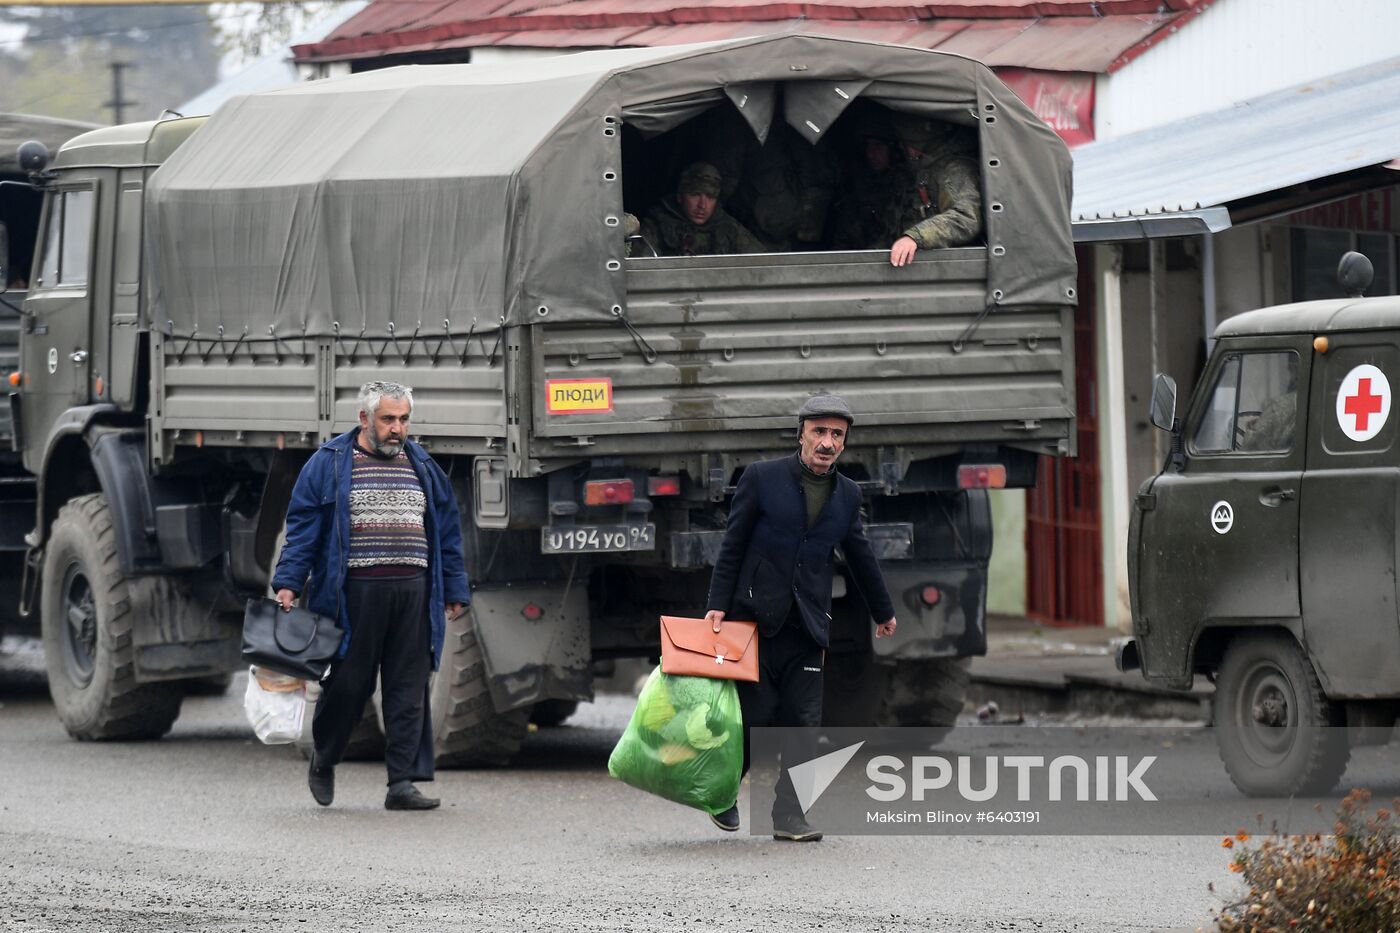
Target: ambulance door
1349, 517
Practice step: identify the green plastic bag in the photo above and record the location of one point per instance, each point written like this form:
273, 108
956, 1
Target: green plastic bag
685, 742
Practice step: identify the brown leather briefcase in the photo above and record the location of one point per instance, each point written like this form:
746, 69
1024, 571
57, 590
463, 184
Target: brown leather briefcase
693, 648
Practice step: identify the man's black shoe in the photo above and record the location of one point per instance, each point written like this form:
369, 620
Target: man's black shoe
411, 799
321, 781
794, 829
728, 820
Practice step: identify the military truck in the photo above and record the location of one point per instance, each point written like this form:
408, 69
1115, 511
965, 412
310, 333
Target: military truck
1263, 555
460, 229
20, 203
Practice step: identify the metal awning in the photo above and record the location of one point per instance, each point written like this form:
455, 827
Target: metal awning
1282, 143
1152, 226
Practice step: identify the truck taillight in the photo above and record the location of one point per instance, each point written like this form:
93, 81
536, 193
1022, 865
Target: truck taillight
930, 596
663, 486
607, 492
982, 476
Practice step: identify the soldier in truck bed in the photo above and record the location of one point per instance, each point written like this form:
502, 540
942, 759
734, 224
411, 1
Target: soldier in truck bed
917, 189
781, 188
692, 223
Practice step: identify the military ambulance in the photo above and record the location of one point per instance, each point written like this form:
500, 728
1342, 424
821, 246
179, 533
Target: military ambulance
1263, 555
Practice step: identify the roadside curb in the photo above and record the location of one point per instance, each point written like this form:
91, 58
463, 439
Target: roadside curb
1086, 686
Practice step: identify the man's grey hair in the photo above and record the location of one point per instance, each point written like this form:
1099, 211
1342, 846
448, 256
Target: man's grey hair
372, 393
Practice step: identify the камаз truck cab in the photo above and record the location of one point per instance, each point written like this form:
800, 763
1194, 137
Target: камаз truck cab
461, 229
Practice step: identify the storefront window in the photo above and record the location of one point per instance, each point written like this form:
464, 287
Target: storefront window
1315, 254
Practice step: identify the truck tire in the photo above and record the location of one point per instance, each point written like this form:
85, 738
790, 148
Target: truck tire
925, 692
467, 730
550, 713
1278, 734
920, 692
366, 741
87, 612
213, 685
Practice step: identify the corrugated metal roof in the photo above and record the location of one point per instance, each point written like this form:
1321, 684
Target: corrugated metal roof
1056, 35
1291, 137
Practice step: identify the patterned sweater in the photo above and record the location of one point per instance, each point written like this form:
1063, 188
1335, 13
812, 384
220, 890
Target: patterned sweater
386, 515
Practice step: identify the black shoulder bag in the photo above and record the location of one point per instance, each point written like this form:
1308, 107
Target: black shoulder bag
298, 642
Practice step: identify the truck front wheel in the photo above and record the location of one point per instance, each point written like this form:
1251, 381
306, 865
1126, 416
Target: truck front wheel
87, 610
1278, 733
467, 730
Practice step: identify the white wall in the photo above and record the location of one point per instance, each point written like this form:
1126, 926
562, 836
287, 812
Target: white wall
1240, 49
1006, 576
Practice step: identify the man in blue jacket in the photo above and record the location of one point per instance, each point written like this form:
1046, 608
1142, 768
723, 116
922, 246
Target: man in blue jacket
775, 567
374, 523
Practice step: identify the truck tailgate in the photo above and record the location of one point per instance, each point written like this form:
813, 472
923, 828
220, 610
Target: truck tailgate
715, 353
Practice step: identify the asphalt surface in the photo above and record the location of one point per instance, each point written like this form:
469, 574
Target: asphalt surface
209, 830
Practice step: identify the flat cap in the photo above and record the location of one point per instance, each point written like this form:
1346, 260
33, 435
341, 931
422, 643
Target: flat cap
825, 406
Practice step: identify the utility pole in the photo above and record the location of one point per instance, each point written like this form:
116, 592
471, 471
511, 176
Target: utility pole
119, 101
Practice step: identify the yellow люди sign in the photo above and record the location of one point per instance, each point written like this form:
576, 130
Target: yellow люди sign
578, 396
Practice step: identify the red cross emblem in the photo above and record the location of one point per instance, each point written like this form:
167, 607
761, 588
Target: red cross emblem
1363, 402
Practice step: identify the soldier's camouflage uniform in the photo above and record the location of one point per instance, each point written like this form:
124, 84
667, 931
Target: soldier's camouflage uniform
781, 190
935, 200
672, 234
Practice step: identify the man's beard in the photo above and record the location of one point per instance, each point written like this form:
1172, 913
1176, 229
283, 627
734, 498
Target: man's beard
385, 447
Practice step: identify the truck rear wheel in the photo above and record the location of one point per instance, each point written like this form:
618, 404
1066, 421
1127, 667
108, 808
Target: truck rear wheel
366, 740
916, 692
925, 692
87, 612
467, 730
1278, 733
550, 713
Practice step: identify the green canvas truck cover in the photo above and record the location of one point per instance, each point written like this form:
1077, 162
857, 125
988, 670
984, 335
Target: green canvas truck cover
460, 197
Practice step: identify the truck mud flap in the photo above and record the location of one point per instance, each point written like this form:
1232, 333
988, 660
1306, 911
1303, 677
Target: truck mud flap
535, 642
184, 627
956, 623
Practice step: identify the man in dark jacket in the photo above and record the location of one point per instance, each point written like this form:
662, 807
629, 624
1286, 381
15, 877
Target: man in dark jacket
374, 523
775, 567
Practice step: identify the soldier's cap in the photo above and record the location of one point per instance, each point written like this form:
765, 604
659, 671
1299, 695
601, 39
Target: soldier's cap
912, 130
699, 178
825, 406
873, 123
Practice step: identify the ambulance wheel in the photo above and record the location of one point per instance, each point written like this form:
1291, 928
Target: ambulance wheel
1279, 735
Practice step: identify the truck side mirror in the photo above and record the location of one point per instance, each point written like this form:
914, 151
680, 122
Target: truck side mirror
1164, 402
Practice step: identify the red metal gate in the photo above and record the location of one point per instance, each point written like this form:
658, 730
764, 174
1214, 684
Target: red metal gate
1064, 542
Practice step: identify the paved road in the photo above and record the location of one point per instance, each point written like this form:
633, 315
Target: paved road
207, 830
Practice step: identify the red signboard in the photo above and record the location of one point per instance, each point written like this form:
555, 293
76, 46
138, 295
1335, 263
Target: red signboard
1371, 212
1063, 99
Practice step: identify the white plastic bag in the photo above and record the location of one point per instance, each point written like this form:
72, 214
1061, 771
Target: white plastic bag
275, 705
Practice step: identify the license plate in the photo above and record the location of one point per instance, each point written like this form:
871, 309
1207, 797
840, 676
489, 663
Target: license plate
598, 539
